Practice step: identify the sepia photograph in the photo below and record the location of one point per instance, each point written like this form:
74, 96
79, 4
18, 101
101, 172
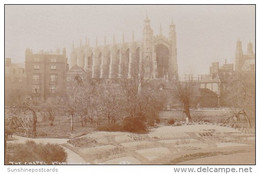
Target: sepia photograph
129, 84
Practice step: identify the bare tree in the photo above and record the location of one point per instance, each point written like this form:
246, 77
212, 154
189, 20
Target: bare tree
49, 109
79, 99
110, 103
26, 111
240, 91
143, 99
186, 94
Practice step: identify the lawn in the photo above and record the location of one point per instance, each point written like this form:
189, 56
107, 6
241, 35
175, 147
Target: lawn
61, 127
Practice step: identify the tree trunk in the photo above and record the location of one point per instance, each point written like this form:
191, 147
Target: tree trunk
71, 122
34, 123
51, 118
108, 119
82, 121
247, 119
188, 114
187, 111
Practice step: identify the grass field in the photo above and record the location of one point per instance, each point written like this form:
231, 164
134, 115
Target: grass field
61, 127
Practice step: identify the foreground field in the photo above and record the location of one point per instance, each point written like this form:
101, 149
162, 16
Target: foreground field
187, 144
164, 145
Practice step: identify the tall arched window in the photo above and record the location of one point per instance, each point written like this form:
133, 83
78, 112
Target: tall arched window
162, 58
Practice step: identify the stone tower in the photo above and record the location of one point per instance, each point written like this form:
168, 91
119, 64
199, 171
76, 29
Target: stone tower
147, 62
239, 56
73, 56
173, 66
81, 58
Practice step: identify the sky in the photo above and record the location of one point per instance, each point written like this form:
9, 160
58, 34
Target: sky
205, 33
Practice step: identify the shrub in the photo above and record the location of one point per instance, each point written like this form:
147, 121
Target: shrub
151, 122
110, 127
134, 124
32, 152
129, 124
171, 121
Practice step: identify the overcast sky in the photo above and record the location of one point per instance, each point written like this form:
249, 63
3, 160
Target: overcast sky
205, 33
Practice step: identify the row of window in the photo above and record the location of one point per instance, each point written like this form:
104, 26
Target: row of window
36, 78
37, 67
36, 89
37, 59
15, 71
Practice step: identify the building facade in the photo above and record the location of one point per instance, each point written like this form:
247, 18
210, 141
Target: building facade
154, 57
244, 61
221, 77
46, 73
74, 76
15, 80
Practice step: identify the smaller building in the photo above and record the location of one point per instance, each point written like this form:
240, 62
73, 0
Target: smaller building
213, 85
76, 74
211, 82
15, 80
46, 73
